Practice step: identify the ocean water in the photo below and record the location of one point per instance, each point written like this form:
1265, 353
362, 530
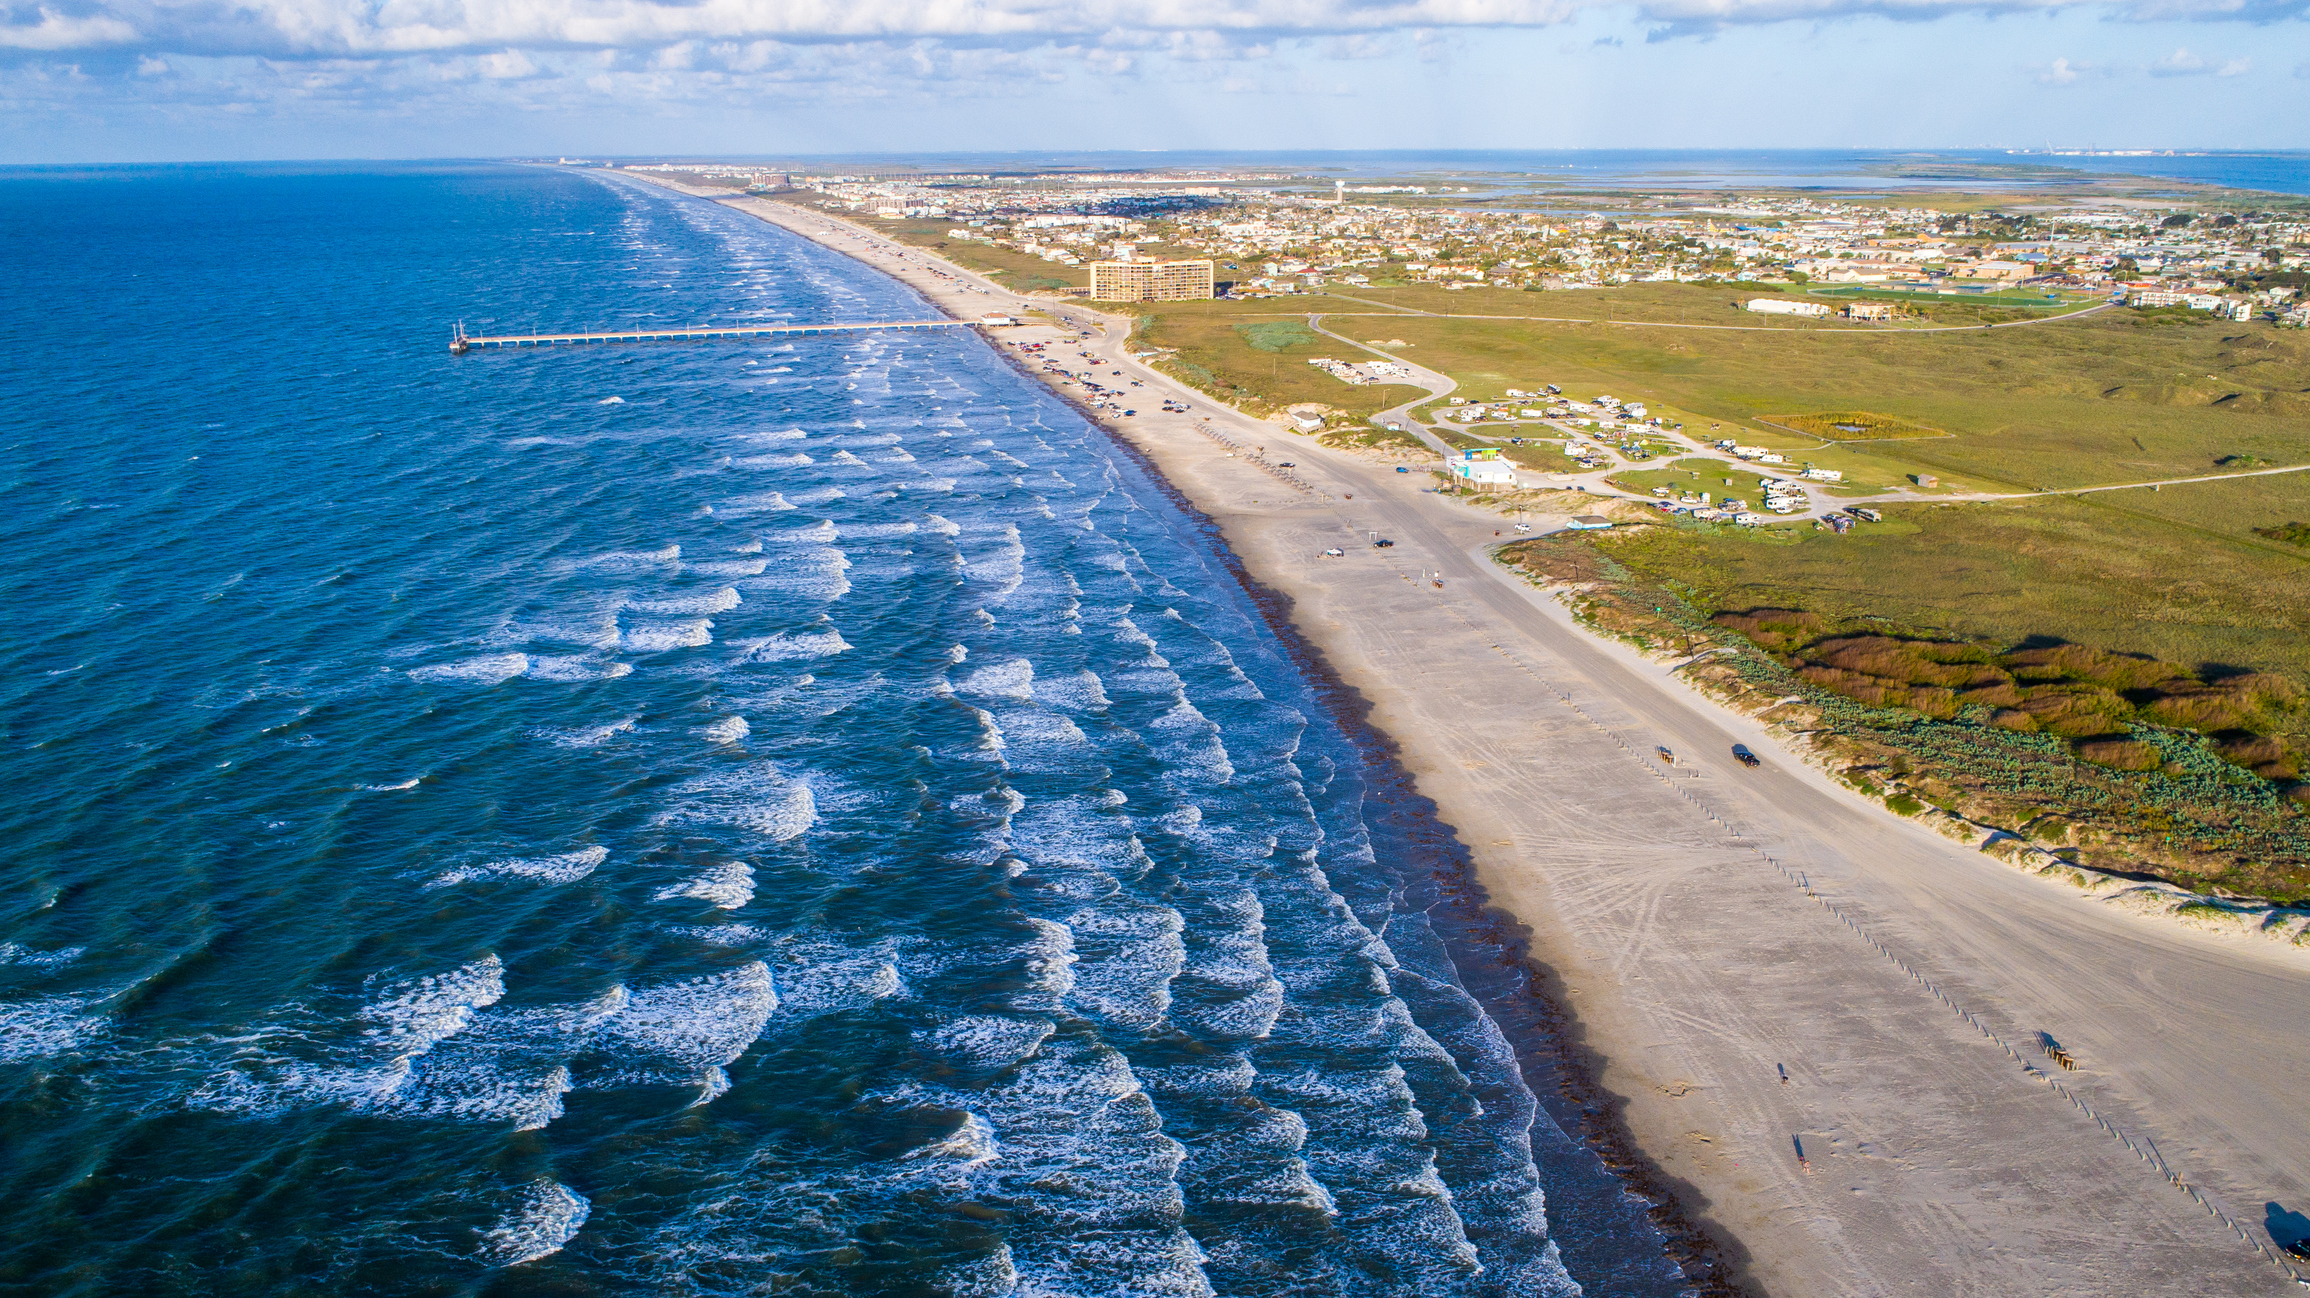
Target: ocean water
705, 819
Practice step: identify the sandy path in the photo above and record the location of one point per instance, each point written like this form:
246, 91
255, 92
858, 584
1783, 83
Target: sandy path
1666, 900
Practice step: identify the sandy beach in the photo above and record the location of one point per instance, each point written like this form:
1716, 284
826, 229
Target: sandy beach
1819, 1023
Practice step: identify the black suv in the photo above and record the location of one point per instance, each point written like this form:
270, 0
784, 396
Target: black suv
1742, 754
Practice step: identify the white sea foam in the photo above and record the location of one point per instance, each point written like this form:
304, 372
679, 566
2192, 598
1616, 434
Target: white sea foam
870, 531
611, 401
727, 567
819, 495
985, 1041
546, 1215
403, 787
489, 669
711, 1087
825, 977
699, 603
700, 1023
728, 730
588, 736
790, 460
659, 637
47, 1026
25, 957
414, 1015
764, 502
1013, 679
1077, 690
972, 1144
785, 647
568, 867
940, 525
726, 887
819, 533
634, 558
547, 668
781, 435
757, 798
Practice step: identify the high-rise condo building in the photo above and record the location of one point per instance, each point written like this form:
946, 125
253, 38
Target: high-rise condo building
1134, 279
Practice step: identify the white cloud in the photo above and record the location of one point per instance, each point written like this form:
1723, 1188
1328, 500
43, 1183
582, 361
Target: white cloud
2060, 73
2235, 68
54, 31
365, 28
2180, 63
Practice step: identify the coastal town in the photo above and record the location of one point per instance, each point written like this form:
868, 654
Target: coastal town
1277, 236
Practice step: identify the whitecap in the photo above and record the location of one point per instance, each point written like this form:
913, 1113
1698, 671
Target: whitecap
728, 730
490, 669
784, 647
402, 787
588, 736
1012, 679
863, 531
818, 533
548, 668
713, 601
546, 1216
766, 502
725, 887
756, 798
568, 867
700, 1023
634, 558
727, 567
25, 957
611, 401
659, 637
46, 1026
985, 1041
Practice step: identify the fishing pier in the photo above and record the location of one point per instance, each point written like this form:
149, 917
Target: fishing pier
462, 342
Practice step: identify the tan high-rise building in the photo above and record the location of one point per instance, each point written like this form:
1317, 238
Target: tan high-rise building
1138, 280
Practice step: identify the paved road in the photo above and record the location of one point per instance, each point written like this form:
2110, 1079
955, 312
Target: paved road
1394, 309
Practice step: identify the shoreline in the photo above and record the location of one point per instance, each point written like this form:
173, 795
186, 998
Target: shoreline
1506, 732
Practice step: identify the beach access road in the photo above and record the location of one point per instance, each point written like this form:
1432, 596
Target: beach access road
1710, 926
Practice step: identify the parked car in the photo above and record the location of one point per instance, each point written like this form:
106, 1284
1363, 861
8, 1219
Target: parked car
1401, 469
1742, 754
1382, 544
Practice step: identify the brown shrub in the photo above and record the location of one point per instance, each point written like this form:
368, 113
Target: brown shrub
2099, 666
2004, 694
2008, 719
1933, 702
1773, 628
2120, 754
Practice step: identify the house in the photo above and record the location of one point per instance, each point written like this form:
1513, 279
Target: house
1482, 466
1782, 306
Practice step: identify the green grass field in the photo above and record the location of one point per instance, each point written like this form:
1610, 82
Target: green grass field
2068, 403
1255, 357
2189, 584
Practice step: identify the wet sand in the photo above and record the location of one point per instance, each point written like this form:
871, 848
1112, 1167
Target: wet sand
1813, 1025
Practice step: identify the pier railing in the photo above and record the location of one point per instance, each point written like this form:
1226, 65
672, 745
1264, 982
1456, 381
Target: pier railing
462, 342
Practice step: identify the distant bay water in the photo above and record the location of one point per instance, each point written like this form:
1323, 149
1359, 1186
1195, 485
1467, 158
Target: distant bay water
802, 818
1856, 170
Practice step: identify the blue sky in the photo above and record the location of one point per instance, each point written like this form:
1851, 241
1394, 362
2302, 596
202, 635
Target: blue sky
132, 80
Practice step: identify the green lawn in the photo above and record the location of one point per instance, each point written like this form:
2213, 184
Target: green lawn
2203, 591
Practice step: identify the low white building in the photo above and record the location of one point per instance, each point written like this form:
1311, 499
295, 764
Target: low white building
1482, 467
1782, 306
